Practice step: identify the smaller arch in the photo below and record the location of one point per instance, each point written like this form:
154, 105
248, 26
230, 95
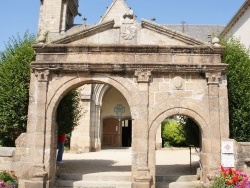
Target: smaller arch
196, 117
168, 112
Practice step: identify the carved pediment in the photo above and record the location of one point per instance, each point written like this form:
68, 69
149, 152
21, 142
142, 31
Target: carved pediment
119, 27
146, 33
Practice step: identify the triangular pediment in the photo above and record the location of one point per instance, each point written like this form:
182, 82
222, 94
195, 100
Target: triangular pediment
146, 33
118, 26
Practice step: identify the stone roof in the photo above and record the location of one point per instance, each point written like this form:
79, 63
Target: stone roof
201, 32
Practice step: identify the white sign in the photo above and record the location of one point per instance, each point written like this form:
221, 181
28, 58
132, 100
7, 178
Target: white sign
227, 160
227, 147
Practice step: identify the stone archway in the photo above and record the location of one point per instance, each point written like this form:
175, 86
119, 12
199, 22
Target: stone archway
47, 151
195, 116
160, 73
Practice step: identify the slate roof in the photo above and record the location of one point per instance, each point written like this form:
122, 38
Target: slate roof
200, 32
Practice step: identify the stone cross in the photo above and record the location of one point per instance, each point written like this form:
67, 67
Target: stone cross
119, 109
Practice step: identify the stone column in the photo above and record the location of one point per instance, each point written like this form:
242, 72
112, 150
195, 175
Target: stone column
212, 160
140, 169
158, 139
97, 127
36, 174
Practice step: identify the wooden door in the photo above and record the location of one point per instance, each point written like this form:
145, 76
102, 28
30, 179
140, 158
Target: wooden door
110, 132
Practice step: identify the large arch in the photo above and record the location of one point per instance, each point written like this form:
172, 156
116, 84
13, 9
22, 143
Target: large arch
59, 90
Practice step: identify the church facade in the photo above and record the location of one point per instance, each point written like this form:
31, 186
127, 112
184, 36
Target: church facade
132, 76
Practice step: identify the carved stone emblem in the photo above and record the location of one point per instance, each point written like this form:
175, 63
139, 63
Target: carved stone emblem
128, 32
177, 82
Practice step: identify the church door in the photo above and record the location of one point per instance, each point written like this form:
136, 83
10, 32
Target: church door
110, 132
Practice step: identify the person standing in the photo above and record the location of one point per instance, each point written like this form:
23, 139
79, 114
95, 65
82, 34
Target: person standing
60, 146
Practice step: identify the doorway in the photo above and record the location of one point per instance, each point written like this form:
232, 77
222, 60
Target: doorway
117, 133
126, 133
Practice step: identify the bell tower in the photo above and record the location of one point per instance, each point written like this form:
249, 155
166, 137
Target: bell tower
55, 17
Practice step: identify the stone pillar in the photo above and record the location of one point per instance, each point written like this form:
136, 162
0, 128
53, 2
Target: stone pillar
212, 161
158, 138
36, 172
140, 169
97, 126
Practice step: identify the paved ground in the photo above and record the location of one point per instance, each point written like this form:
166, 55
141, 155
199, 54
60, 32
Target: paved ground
168, 161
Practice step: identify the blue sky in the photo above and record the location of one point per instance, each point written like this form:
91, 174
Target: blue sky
17, 16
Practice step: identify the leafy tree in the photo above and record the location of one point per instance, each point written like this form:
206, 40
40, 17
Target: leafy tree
191, 131
14, 87
238, 76
68, 112
14, 92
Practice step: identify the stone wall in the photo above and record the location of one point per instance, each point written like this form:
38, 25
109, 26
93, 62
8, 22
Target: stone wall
6, 158
242, 157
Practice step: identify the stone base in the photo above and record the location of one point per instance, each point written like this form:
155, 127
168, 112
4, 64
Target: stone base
141, 185
33, 184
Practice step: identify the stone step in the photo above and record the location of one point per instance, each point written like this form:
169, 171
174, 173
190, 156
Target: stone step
103, 176
92, 184
122, 180
176, 178
190, 184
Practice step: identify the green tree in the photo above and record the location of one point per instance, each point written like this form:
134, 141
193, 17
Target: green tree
191, 131
14, 87
238, 76
14, 92
68, 112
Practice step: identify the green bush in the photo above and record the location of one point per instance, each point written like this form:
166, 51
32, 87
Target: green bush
8, 177
181, 132
172, 133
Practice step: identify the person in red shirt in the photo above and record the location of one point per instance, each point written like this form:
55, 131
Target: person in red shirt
60, 146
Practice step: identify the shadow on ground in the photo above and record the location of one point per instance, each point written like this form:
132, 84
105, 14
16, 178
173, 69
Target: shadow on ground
88, 166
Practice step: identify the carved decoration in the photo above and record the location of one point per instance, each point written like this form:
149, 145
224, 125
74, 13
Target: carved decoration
42, 75
143, 76
177, 82
128, 32
213, 78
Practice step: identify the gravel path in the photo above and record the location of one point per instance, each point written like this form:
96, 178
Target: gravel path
168, 161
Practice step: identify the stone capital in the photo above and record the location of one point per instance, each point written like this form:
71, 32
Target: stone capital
213, 78
42, 75
143, 76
